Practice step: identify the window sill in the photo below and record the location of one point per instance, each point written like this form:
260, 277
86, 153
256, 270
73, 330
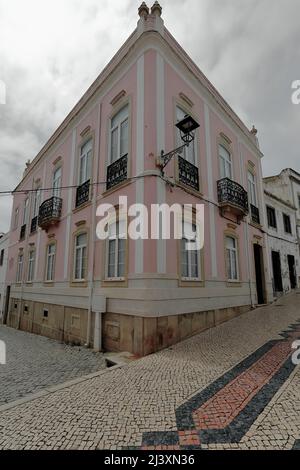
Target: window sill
117, 187
80, 283
115, 282
188, 189
83, 206
191, 282
234, 283
255, 225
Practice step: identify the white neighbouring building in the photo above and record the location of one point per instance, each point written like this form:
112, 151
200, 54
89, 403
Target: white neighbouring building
286, 186
4, 242
282, 201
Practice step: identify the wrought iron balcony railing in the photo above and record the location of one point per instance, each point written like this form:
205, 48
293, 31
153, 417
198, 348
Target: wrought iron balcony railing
50, 212
233, 195
83, 194
255, 217
188, 173
117, 172
23, 232
34, 224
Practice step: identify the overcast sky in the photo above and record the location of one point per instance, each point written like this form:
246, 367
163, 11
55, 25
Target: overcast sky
52, 50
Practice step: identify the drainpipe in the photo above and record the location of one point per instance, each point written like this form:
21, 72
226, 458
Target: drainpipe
249, 264
92, 237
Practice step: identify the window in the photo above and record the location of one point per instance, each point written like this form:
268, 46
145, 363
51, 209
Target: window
116, 253
20, 268
2, 257
232, 259
85, 162
31, 263
80, 257
287, 223
190, 266
252, 189
50, 262
189, 152
119, 135
57, 182
271, 214
45, 313
225, 163
16, 218
36, 202
25, 211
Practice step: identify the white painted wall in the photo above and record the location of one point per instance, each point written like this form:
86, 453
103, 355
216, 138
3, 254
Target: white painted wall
282, 242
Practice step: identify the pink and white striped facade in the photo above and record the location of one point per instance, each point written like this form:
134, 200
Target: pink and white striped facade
151, 306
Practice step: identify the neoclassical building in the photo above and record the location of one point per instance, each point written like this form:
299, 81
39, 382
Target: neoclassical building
146, 294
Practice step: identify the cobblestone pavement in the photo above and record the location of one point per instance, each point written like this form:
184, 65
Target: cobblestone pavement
234, 386
35, 362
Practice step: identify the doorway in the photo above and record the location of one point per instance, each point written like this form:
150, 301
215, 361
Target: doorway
259, 274
277, 274
7, 299
292, 271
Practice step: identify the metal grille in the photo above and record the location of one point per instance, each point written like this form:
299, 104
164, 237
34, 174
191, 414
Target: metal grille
232, 193
83, 194
117, 172
188, 173
50, 211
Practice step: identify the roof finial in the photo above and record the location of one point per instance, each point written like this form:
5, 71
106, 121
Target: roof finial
156, 9
254, 130
143, 10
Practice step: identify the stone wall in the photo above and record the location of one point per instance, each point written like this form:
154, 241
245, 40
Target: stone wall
138, 335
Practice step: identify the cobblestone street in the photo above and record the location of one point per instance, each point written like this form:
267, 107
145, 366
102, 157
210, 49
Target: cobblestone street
234, 386
35, 362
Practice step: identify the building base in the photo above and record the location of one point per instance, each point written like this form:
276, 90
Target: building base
138, 335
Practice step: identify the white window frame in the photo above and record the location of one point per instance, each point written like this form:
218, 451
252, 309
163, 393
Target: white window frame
20, 264
36, 202
114, 227
86, 155
225, 162
16, 218
57, 182
50, 261
31, 265
117, 126
252, 189
83, 259
232, 252
25, 211
190, 226
189, 153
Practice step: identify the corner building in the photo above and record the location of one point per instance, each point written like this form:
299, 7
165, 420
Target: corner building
139, 296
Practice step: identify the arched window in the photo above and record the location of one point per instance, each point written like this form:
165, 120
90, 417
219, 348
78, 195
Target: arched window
119, 135
80, 262
232, 259
225, 163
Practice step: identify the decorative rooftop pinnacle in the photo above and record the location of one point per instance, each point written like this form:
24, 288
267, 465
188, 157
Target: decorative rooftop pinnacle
156, 9
143, 10
254, 130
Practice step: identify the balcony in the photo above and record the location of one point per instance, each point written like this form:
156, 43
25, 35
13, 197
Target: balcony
255, 217
23, 232
117, 172
188, 174
83, 194
50, 212
34, 225
232, 197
